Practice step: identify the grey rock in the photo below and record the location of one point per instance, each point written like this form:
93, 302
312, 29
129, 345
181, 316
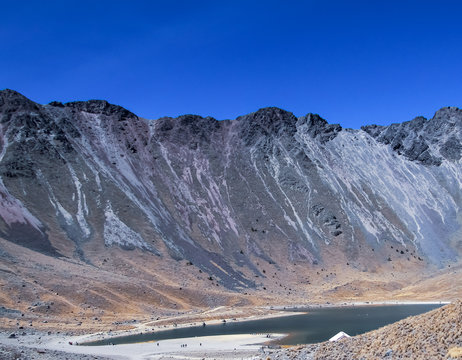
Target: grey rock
319, 128
425, 141
451, 149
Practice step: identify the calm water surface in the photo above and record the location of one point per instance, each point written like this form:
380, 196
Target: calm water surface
319, 324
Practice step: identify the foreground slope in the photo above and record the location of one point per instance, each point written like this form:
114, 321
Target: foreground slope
178, 209
433, 335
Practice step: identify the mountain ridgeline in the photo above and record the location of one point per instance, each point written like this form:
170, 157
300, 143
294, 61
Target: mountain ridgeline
81, 177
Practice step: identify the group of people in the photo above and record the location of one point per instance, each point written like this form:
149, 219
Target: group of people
185, 345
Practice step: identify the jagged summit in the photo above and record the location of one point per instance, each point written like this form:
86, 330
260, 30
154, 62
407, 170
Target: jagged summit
268, 118
427, 141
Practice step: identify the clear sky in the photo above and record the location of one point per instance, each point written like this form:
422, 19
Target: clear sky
353, 62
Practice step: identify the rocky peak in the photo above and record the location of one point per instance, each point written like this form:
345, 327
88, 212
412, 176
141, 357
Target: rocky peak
266, 122
449, 113
271, 116
422, 140
313, 120
317, 127
100, 107
412, 139
12, 101
444, 130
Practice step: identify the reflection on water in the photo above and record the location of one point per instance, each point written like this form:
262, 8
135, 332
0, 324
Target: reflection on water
319, 324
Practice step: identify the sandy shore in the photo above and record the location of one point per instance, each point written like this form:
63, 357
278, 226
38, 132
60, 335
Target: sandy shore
218, 347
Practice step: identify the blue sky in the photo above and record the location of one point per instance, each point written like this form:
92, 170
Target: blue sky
353, 62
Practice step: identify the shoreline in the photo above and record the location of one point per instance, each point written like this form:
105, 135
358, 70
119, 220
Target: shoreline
82, 340
281, 311
216, 346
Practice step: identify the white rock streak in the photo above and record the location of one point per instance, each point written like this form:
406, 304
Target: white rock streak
82, 208
116, 232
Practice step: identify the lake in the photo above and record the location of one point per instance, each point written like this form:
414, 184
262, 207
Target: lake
318, 324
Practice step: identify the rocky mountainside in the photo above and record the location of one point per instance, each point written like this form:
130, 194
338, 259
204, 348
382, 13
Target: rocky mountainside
81, 178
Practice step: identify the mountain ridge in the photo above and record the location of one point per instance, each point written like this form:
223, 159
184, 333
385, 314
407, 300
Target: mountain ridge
96, 106
223, 194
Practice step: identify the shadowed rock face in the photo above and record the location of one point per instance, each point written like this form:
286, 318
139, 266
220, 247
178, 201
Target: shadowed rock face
219, 193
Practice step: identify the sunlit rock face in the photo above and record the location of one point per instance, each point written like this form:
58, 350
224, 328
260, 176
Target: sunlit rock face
267, 185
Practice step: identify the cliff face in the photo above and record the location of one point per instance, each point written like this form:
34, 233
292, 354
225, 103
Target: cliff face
82, 177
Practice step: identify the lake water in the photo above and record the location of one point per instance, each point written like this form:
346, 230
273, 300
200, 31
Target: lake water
318, 324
